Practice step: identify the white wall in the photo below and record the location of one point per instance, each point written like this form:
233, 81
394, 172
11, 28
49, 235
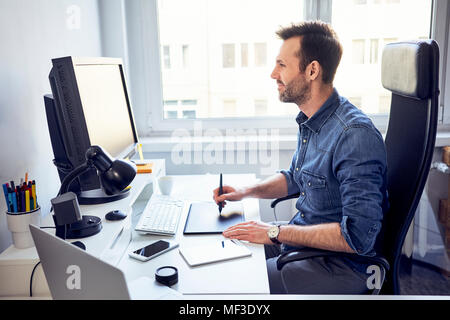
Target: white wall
31, 34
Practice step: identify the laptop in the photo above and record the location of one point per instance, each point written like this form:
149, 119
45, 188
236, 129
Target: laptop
74, 274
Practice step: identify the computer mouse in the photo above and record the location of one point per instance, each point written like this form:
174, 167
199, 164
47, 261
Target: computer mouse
115, 215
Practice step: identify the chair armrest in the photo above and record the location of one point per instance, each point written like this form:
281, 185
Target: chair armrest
276, 201
306, 253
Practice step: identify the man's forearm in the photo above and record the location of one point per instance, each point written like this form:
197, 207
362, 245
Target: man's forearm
271, 188
326, 236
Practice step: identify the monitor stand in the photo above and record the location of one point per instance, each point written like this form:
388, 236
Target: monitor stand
98, 196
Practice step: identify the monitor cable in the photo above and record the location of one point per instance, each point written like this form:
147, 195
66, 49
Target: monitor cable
31, 278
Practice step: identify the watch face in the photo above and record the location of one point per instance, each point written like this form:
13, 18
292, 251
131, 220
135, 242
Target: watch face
273, 232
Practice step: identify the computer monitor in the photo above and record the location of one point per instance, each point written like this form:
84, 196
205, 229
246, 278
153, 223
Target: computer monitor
89, 105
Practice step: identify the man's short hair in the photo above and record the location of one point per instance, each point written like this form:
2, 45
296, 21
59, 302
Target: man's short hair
318, 42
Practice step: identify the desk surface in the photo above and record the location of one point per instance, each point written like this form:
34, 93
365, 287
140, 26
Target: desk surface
239, 276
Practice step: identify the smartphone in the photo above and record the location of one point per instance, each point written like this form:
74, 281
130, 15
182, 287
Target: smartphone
153, 250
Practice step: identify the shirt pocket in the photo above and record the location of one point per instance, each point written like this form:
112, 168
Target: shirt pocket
316, 190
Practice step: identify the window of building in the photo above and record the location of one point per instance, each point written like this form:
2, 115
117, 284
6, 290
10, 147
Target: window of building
260, 107
185, 53
166, 56
358, 51
244, 54
373, 51
188, 114
228, 59
260, 54
229, 108
212, 46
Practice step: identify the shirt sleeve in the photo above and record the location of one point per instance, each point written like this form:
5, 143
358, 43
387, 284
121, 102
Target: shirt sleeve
359, 163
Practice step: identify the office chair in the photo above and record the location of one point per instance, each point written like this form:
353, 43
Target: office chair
410, 70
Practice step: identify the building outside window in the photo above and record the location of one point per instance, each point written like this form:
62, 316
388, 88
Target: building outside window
236, 59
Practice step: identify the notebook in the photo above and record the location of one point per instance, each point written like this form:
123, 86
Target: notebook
214, 252
204, 218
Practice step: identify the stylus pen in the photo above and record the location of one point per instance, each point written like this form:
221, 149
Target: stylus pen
220, 193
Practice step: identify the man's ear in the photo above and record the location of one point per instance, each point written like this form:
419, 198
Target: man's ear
313, 70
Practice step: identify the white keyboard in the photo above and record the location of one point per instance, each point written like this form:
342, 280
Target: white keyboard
161, 215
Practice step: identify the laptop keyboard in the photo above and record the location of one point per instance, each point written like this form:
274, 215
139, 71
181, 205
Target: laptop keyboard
161, 215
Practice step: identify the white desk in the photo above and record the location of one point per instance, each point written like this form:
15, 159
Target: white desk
240, 276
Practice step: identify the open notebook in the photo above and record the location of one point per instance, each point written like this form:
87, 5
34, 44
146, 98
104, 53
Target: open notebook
213, 252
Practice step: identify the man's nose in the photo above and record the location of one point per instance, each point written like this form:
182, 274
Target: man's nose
274, 74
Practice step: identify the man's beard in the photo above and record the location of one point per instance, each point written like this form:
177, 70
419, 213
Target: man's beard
297, 91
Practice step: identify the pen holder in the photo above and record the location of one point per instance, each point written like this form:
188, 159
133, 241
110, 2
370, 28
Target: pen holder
18, 224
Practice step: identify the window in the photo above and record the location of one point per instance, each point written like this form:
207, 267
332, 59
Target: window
185, 52
244, 55
260, 107
236, 59
180, 109
229, 108
166, 56
228, 55
260, 54
370, 28
374, 51
358, 48
189, 114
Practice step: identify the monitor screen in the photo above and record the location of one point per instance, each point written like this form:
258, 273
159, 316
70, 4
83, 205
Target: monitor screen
104, 102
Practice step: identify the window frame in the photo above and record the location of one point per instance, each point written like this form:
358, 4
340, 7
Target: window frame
153, 100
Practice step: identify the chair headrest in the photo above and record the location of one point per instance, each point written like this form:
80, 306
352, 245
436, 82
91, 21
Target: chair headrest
405, 68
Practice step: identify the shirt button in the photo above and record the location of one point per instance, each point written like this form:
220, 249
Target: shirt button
309, 184
304, 140
303, 194
302, 215
296, 169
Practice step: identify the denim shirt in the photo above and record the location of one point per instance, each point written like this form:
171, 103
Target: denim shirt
339, 169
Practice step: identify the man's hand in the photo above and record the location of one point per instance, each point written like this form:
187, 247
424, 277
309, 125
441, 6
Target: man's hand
229, 193
253, 231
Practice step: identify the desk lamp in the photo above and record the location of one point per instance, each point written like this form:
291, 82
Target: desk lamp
115, 175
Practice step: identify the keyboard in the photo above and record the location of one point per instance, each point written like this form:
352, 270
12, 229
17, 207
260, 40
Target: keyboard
161, 215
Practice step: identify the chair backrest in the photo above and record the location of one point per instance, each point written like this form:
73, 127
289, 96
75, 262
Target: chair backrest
410, 70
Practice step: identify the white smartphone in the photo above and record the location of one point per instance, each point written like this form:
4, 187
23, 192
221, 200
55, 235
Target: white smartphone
153, 250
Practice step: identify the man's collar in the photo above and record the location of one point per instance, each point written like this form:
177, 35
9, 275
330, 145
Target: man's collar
318, 119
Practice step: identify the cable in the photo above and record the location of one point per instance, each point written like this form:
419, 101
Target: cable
31, 279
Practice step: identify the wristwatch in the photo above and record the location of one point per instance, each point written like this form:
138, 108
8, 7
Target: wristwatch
273, 233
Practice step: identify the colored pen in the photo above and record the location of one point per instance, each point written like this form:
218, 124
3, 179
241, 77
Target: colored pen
5, 191
27, 200
19, 197
22, 200
220, 193
14, 200
10, 207
33, 193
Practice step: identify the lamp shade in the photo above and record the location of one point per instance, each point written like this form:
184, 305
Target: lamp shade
115, 175
118, 176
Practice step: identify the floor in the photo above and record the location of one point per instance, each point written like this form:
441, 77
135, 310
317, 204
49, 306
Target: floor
421, 279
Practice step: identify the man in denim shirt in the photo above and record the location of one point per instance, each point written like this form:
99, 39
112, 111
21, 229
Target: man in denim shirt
338, 168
